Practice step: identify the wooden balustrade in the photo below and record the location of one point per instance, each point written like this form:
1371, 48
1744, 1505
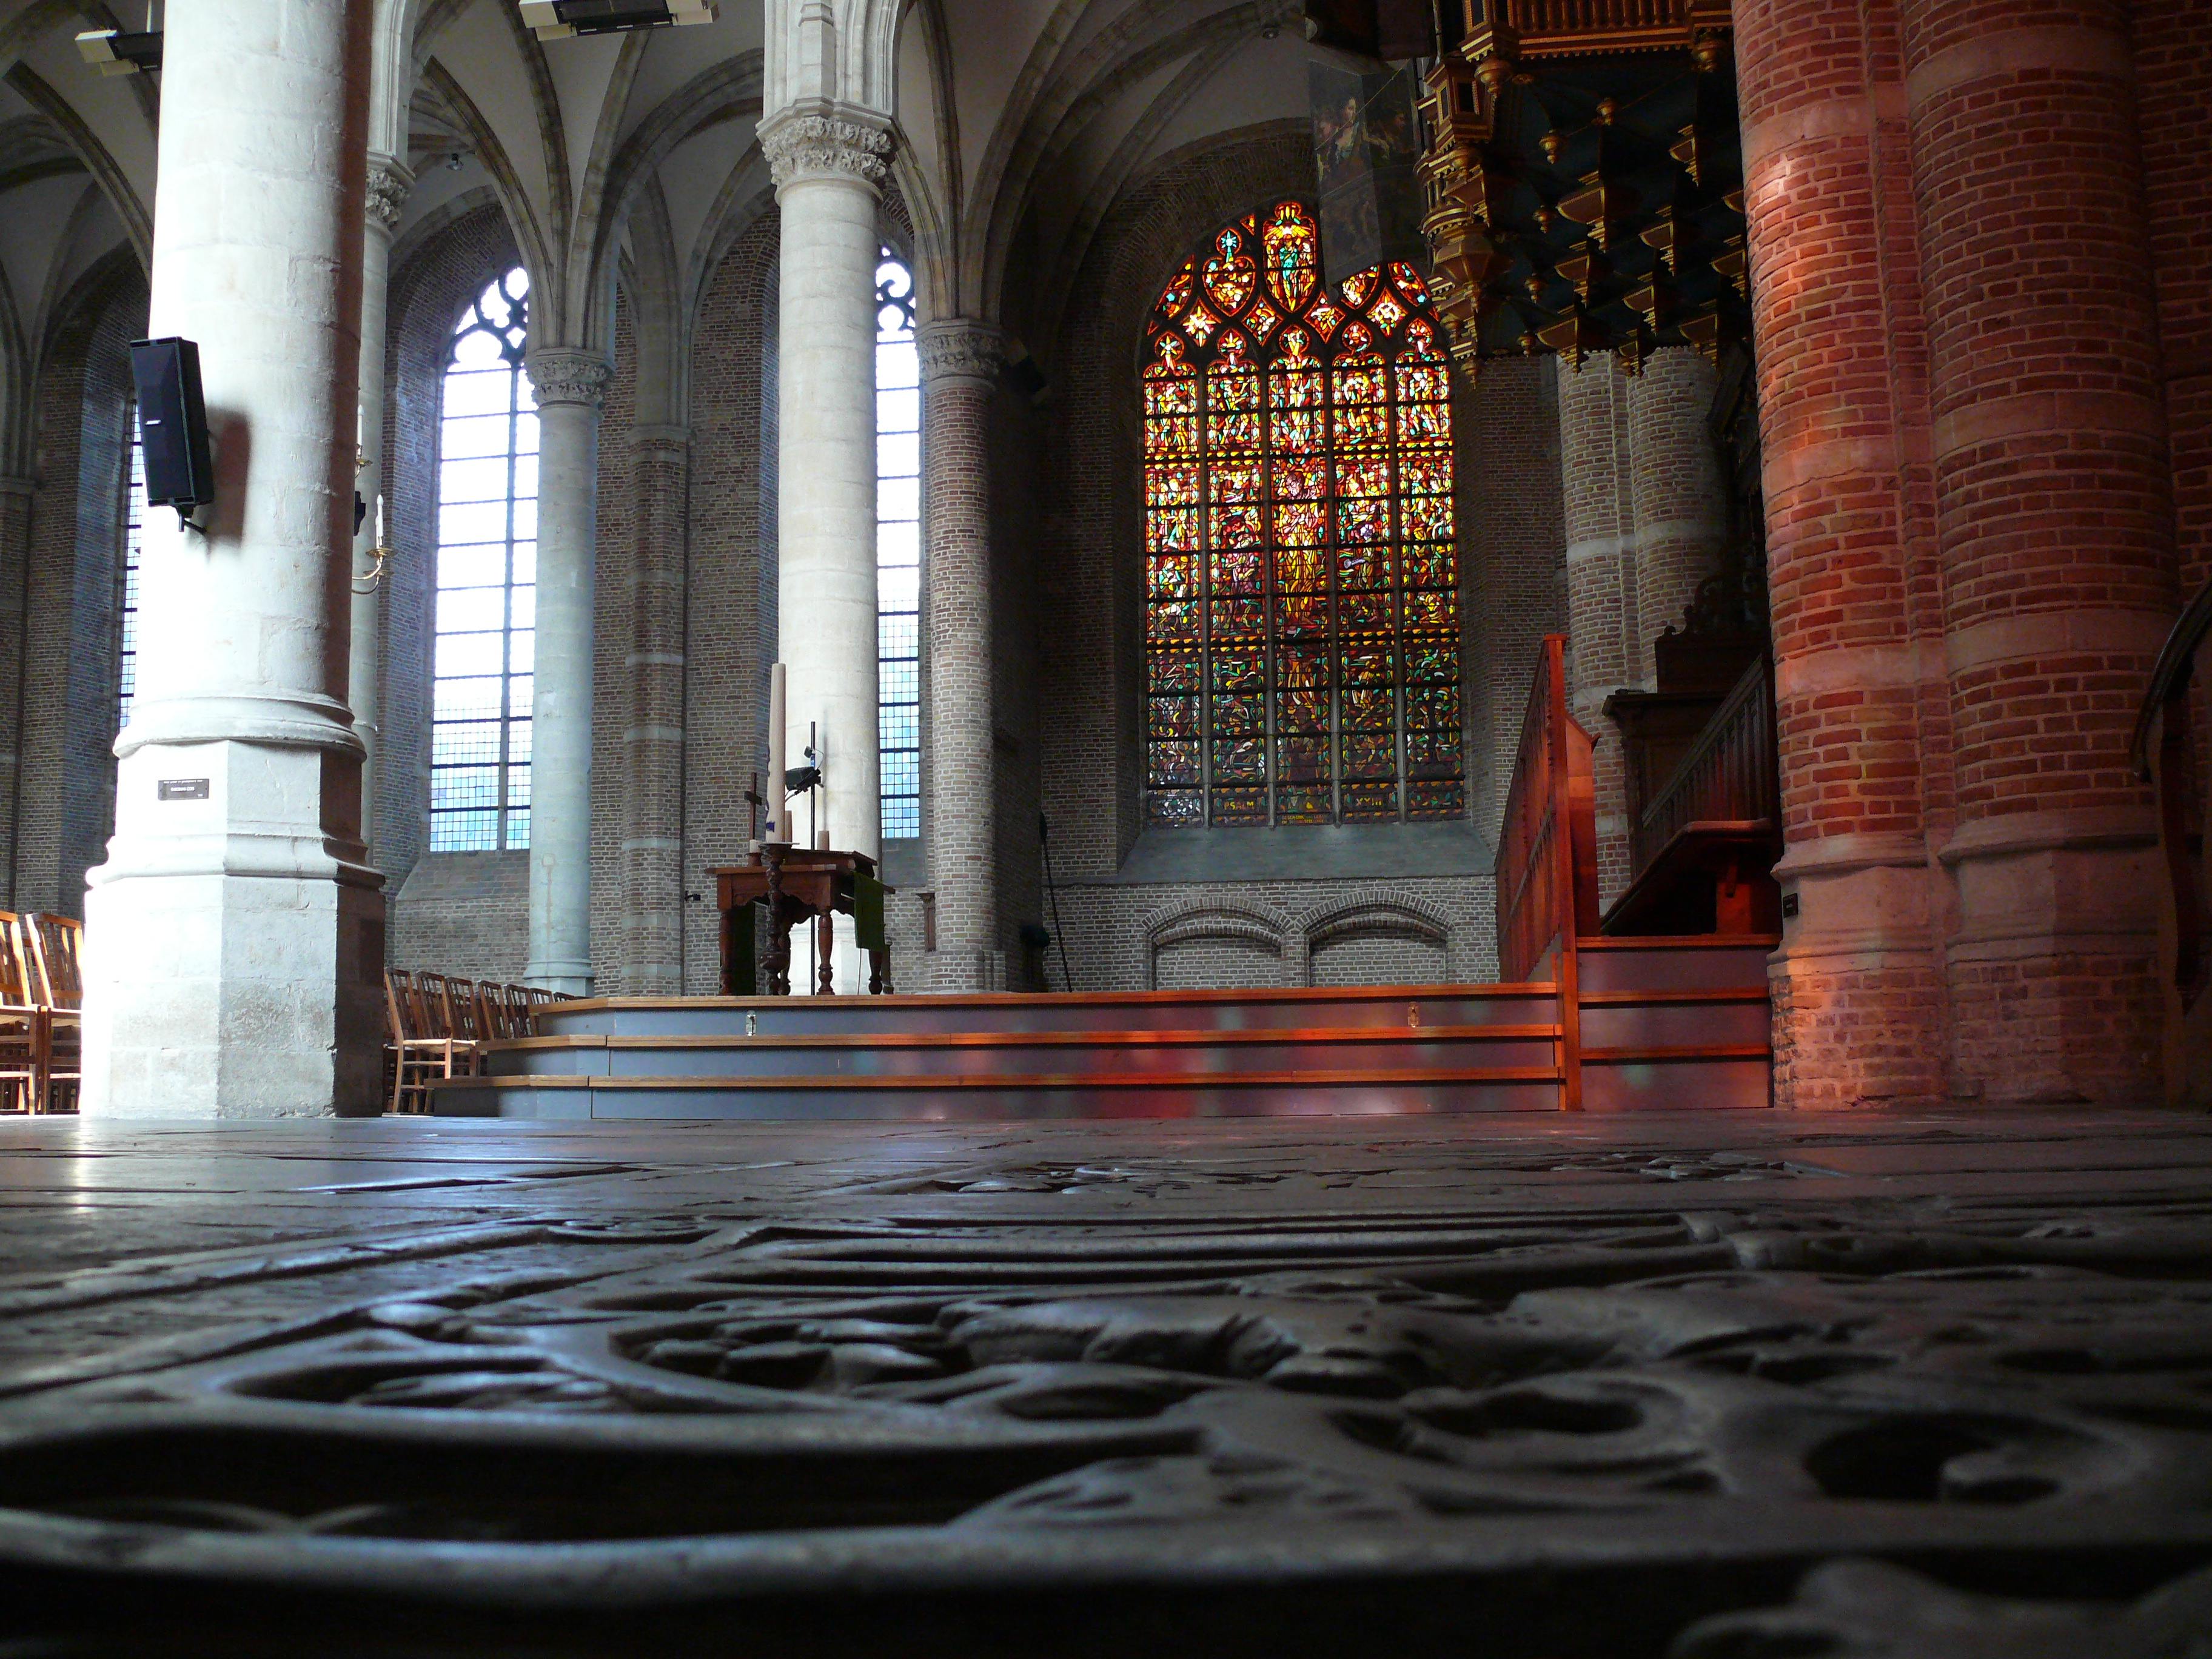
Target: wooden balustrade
1553, 27
1547, 855
1730, 775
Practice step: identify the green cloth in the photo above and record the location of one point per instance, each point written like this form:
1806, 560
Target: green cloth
868, 913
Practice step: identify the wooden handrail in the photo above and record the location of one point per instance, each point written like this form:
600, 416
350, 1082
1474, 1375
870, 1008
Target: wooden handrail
2165, 711
1546, 867
1730, 775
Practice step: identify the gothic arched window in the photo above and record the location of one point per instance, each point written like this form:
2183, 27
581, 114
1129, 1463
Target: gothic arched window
898, 548
487, 614
1301, 622
126, 585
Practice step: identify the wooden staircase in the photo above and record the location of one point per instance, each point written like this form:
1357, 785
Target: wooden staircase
1586, 1023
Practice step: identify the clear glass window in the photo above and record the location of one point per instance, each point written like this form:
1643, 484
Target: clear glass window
126, 597
898, 548
487, 575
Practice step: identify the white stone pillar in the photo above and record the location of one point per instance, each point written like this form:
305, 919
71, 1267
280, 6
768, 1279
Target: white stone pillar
570, 387
235, 934
828, 171
960, 361
388, 184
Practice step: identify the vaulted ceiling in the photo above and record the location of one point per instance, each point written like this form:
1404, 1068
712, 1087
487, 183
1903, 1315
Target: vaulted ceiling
632, 158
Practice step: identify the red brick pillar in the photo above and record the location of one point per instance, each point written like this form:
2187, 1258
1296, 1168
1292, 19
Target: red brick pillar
1857, 985
1596, 475
651, 859
2055, 513
960, 364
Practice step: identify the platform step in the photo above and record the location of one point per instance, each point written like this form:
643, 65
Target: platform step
1393, 1008
1701, 962
1665, 1023
1374, 1052
988, 1098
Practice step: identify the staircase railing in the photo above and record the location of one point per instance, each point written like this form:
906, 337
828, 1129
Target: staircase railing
2165, 720
1547, 856
1730, 775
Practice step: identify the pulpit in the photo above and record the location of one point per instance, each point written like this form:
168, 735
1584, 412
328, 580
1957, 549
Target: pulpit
782, 886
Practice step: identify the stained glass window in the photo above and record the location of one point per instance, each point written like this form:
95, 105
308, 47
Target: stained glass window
898, 548
1302, 624
487, 576
126, 597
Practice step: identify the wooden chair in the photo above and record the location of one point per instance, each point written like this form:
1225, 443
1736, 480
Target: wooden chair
56, 953
426, 1045
22, 1023
519, 1019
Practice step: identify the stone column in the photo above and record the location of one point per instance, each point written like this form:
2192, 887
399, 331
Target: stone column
1596, 474
235, 934
651, 854
15, 498
1680, 505
828, 171
960, 362
388, 184
570, 385
2054, 507
1858, 993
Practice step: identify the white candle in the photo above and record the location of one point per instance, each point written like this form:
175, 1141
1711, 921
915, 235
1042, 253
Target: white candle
778, 830
380, 543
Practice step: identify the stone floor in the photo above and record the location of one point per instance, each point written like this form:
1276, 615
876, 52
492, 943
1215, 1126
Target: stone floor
1726, 1387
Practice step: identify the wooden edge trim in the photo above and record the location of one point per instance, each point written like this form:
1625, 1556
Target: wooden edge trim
1341, 1034
971, 1082
1670, 1055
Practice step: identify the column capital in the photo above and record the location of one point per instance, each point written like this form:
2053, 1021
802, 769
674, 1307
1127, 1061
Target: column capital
960, 348
803, 146
567, 376
389, 181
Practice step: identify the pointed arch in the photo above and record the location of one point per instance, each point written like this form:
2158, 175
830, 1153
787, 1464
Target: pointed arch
1302, 651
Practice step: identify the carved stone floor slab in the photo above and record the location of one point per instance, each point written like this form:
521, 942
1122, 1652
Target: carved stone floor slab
1714, 1386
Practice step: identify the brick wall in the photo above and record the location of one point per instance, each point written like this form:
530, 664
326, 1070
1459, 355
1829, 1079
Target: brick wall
732, 612
65, 787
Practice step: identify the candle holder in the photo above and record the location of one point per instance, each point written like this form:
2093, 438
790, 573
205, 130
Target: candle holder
368, 584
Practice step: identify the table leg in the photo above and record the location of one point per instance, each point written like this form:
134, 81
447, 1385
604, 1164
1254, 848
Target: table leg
779, 925
826, 930
729, 945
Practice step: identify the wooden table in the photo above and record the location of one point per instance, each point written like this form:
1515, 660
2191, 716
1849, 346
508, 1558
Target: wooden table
797, 884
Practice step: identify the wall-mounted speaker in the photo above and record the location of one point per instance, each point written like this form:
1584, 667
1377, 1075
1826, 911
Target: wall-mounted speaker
173, 423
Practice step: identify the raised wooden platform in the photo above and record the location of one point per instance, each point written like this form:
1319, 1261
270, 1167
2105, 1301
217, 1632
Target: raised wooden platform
1664, 1024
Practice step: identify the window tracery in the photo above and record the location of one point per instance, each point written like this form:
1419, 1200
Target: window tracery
487, 577
898, 549
1302, 626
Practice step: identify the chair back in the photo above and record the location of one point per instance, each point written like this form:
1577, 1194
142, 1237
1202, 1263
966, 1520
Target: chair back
402, 1006
464, 1012
517, 999
18, 978
437, 1003
56, 952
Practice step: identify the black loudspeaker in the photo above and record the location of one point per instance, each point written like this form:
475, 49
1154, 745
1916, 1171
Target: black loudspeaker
173, 423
